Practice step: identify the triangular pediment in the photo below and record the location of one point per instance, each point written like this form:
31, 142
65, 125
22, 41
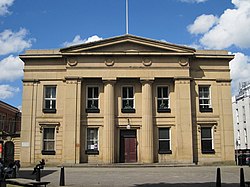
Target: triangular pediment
127, 44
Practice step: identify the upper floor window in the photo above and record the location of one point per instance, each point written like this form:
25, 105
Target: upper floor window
92, 141
163, 99
207, 140
164, 141
128, 99
93, 99
49, 99
2, 122
237, 116
48, 141
244, 114
204, 99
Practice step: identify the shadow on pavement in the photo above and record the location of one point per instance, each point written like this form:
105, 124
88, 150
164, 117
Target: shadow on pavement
27, 174
207, 184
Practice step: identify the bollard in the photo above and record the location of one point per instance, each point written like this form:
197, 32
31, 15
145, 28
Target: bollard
38, 174
62, 177
14, 172
242, 178
218, 178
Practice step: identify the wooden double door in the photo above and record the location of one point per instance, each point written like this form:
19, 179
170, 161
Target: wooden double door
128, 146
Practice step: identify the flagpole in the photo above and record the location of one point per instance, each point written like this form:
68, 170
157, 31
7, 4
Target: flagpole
126, 16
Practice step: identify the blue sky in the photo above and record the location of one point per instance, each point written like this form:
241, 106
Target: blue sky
48, 24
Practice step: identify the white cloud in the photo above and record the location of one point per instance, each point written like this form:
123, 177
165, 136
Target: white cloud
231, 29
7, 91
13, 42
193, 1
4, 5
239, 70
202, 24
11, 68
77, 40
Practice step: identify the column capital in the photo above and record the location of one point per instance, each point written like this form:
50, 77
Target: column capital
147, 80
109, 81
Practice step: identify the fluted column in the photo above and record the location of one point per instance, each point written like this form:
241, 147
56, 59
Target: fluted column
147, 123
109, 122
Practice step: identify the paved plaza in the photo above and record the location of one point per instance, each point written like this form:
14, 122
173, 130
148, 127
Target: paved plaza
141, 176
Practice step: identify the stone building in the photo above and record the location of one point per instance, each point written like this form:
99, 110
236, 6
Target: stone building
127, 99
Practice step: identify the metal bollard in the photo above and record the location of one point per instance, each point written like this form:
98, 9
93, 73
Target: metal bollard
62, 177
218, 178
38, 174
242, 178
14, 172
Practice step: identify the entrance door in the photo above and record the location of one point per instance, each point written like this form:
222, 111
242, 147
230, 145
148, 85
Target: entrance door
128, 146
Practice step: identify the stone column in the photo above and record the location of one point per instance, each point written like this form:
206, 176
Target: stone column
71, 128
29, 122
147, 123
184, 147
225, 126
109, 122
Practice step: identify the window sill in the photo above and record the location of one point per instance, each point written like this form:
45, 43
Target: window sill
92, 152
164, 152
45, 110
206, 110
90, 110
45, 152
167, 110
132, 110
208, 152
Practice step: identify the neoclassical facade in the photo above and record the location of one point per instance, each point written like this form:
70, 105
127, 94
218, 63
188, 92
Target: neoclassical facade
127, 99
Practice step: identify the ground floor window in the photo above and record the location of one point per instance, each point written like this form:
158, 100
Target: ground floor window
164, 141
48, 141
207, 140
92, 141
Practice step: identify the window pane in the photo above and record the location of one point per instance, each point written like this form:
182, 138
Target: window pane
53, 103
48, 133
164, 133
206, 132
131, 93
164, 145
95, 92
48, 145
53, 92
47, 104
89, 92
165, 92
124, 92
206, 145
162, 104
47, 92
159, 92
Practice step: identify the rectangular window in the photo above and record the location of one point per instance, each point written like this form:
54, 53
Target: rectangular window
128, 99
244, 114
163, 99
204, 99
238, 138
237, 116
245, 135
92, 99
207, 140
49, 99
1, 122
164, 141
92, 141
48, 141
